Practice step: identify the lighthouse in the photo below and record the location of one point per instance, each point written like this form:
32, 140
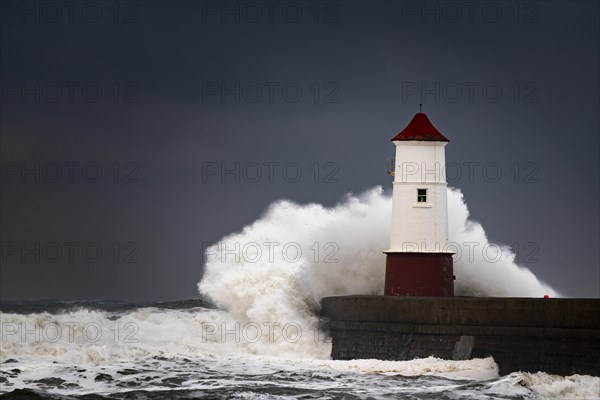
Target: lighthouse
418, 262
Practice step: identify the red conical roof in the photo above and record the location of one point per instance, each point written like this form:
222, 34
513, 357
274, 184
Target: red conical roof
420, 128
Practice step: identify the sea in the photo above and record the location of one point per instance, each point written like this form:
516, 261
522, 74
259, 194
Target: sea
254, 330
186, 350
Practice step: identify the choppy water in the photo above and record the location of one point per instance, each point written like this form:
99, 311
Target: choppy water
263, 338
114, 350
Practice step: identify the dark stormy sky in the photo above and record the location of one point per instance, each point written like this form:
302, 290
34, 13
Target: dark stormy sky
117, 118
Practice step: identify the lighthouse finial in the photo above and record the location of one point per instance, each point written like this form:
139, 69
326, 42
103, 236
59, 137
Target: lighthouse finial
420, 105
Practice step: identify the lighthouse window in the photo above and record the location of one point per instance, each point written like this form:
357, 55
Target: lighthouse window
421, 195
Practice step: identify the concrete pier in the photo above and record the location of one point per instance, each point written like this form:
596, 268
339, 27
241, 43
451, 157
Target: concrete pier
558, 336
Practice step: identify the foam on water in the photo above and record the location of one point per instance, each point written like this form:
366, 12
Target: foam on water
557, 387
280, 289
477, 369
86, 336
89, 338
549, 387
170, 350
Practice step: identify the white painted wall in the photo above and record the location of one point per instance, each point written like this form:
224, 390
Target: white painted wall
419, 227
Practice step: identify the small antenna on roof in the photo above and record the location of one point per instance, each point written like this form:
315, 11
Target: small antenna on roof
420, 105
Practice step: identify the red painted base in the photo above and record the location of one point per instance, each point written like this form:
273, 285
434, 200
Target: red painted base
419, 274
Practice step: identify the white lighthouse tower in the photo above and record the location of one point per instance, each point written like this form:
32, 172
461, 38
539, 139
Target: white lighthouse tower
418, 262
